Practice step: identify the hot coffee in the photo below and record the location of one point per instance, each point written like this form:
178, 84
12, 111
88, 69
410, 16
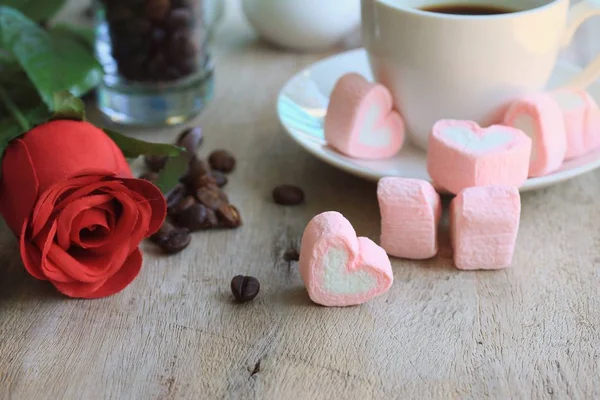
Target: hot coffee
467, 9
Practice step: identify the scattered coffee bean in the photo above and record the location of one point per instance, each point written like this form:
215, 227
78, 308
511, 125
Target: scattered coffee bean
291, 255
190, 139
182, 205
211, 196
175, 196
149, 176
197, 167
155, 163
222, 160
288, 195
244, 288
195, 218
204, 180
213, 221
171, 239
229, 216
220, 178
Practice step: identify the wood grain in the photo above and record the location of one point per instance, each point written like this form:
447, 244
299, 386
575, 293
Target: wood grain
532, 331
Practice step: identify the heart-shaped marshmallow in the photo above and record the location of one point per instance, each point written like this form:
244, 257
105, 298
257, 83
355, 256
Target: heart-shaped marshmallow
360, 121
338, 268
582, 121
462, 154
540, 117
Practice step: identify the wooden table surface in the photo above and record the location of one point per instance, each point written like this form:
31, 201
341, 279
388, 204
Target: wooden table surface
532, 331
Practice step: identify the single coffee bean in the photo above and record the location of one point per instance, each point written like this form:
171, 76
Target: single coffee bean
195, 218
158, 36
182, 205
171, 239
155, 163
229, 216
219, 177
212, 219
187, 65
197, 167
149, 176
204, 180
291, 255
181, 45
138, 27
156, 10
190, 139
288, 195
211, 196
157, 67
175, 196
222, 160
244, 288
179, 18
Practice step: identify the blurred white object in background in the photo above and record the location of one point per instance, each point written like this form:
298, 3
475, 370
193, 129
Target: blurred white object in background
304, 25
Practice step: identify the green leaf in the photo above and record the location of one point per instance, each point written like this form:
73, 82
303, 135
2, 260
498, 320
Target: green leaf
168, 178
67, 106
132, 147
85, 35
53, 61
37, 10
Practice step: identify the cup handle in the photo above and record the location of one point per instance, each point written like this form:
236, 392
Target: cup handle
577, 15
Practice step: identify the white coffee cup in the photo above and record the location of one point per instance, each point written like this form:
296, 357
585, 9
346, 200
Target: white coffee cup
467, 66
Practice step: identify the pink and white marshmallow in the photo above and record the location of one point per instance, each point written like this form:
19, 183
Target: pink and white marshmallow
540, 118
582, 123
337, 267
360, 120
410, 214
462, 154
484, 222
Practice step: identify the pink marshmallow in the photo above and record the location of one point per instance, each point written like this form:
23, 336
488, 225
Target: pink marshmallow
540, 118
360, 122
462, 154
338, 268
582, 126
410, 213
484, 222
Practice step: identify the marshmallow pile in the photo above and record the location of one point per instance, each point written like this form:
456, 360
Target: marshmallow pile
564, 124
482, 167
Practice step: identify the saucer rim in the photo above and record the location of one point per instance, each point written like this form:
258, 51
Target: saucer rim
319, 148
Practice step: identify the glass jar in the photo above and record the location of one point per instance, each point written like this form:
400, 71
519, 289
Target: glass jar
157, 67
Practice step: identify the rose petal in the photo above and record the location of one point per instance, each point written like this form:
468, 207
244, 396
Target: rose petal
19, 186
75, 146
96, 222
72, 210
45, 205
155, 199
83, 265
31, 255
117, 282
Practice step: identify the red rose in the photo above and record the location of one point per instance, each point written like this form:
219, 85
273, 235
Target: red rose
69, 196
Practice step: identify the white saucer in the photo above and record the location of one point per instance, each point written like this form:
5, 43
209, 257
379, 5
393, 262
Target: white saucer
302, 104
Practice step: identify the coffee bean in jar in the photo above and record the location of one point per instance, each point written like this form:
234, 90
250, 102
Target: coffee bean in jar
156, 60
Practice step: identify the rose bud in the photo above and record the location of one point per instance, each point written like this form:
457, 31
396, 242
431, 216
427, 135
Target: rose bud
69, 195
